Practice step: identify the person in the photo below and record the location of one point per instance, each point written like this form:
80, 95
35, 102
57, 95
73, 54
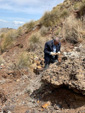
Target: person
51, 51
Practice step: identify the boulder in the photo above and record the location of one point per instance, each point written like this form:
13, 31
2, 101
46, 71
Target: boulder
70, 73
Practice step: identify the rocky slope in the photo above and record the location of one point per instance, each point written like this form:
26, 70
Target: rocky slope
70, 72
31, 89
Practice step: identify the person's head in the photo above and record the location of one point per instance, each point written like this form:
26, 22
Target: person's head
56, 40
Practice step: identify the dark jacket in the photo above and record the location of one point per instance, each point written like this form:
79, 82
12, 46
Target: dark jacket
49, 48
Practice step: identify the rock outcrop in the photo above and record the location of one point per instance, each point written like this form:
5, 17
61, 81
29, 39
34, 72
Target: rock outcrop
70, 73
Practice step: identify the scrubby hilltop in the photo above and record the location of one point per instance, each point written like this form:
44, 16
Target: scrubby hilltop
24, 85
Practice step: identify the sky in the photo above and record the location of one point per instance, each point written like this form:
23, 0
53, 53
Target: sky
14, 13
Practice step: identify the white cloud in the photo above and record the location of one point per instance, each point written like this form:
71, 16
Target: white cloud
18, 22
1, 20
10, 24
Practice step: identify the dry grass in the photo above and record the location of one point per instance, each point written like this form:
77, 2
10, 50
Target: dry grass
7, 40
28, 26
54, 17
61, 12
46, 20
64, 13
19, 31
34, 38
72, 30
82, 9
23, 60
1, 60
34, 41
43, 31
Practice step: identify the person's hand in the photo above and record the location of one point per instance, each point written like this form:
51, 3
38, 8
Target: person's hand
52, 53
58, 53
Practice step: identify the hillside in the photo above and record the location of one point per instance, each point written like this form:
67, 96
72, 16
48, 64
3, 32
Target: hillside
4, 30
24, 85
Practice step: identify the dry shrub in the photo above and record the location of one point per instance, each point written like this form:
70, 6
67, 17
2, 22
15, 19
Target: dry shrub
82, 10
34, 38
28, 26
2, 35
1, 60
54, 17
64, 13
37, 46
33, 41
43, 31
23, 60
72, 29
48, 19
7, 41
19, 31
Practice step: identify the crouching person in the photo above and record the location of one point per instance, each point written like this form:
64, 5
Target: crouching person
51, 51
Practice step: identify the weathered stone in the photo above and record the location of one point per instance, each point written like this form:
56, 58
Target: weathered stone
71, 73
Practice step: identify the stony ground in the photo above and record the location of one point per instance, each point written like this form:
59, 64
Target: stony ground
22, 91
70, 72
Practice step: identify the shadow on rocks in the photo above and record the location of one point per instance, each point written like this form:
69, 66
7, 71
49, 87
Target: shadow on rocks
61, 97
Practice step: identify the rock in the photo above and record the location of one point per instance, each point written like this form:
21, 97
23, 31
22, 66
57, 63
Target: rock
57, 107
70, 73
27, 111
46, 105
9, 111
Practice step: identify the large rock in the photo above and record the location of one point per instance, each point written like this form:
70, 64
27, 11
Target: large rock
71, 73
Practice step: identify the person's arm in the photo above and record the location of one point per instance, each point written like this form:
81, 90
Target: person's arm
46, 49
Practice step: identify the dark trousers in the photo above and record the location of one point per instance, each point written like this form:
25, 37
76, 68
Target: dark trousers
51, 60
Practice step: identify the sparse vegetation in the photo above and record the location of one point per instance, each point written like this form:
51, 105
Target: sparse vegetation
34, 41
64, 13
82, 10
1, 60
43, 31
19, 31
72, 30
28, 26
55, 16
34, 38
7, 40
23, 60
46, 20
